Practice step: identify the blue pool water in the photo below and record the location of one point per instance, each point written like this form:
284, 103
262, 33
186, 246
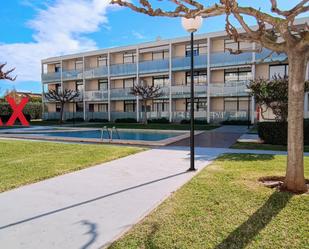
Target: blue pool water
123, 135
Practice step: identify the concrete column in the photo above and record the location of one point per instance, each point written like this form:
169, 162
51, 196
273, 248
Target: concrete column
253, 70
170, 85
208, 77
137, 82
84, 86
61, 75
109, 86
42, 71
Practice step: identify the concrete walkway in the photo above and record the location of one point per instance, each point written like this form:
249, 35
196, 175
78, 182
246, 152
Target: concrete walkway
92, 207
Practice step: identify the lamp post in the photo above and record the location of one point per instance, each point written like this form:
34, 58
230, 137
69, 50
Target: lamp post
192, 25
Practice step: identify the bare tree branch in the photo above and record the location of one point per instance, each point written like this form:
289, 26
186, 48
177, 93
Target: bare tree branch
6, 75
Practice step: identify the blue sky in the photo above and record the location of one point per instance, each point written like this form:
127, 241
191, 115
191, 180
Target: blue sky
35, 29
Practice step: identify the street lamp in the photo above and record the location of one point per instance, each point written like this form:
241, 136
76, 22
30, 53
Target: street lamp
192, 25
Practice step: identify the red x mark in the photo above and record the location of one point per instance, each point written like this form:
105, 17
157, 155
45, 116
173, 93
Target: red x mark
17, 111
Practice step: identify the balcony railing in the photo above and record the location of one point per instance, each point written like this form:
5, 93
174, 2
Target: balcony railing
183, 63
222, 59
72, 75
96, 115
117, 115
121, 93
228, 115
266, 56
96, 72
95, 95
123, 69
229, 89
51, 77
184, 90
177, 116
154, 66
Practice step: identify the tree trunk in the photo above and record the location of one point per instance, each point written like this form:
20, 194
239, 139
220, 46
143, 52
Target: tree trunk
145, 111
61, 113
295, 179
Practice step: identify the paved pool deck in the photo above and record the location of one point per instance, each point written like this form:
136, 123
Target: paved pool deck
91, 208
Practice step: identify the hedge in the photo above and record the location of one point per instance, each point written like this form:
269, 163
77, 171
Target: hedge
158, 121
32, 109
277, 132
125, 120
196, 121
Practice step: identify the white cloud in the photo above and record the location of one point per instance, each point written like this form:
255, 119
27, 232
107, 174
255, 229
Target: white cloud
59, 28
138, 35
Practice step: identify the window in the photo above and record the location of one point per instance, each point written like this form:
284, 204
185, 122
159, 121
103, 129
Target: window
200, 104
79, 106
79, 86
160, 55
79, 65
57, 67
58, 107
102, 61
230, 44
160, 81
103, 107
103, 85
200, 77
238, 74
58, 88
91, 107
282, 70
129, 58
236, 104
128, 83
198, 49
129, 105
160, 105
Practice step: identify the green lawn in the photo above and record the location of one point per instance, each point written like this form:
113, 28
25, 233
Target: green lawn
256, 146
26, 162
224, 207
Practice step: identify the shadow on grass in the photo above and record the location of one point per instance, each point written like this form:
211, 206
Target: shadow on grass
243, 234
245, 157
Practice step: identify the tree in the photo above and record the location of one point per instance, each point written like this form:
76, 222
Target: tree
146, 92
5, 75
276, 31
272, 94
61, 97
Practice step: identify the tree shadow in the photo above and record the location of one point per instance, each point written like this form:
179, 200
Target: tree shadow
243, 234
245, 157
92, 232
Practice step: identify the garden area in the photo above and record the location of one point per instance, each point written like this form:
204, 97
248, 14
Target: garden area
24, 162
225, 206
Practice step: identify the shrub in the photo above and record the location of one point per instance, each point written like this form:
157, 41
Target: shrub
277, 132
98, 120
5, 118
159, 121
33, 109
75, 120
125, 120
196, 121
235, 122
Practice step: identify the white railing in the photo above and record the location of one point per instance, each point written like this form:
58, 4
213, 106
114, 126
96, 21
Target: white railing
228, 89
185, 89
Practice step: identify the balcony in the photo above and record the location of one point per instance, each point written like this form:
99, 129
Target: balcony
72, 75
184, 63
154, 66
264, 56
98, 72
229, 89
123, 69
95, 95
223, 59
51, 77
183, 91
121, 94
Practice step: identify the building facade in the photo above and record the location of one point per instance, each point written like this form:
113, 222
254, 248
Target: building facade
105, 77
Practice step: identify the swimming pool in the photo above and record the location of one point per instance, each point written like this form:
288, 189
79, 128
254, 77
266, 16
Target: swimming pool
120, 135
